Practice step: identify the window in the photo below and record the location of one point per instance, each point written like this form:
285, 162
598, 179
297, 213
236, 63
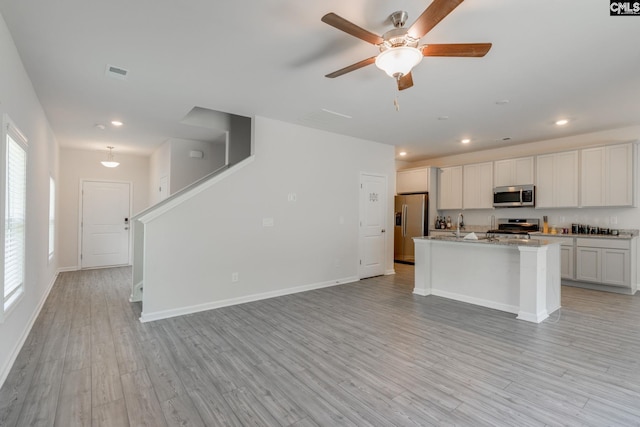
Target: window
13, 168
52, 217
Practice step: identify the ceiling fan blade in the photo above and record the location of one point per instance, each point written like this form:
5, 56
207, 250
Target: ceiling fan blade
352, 67
433, 14
351, 28
456, 49
405, 82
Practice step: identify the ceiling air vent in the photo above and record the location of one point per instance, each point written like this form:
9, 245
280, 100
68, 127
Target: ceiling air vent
116, 72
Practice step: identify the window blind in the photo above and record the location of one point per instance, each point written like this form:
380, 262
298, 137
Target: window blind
15, 210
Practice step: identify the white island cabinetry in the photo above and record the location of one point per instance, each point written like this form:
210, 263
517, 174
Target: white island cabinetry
520, 277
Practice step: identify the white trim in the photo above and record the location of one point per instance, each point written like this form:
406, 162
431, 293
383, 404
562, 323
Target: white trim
66, 269
164, 314
477, 301
154, 212
10, 130
390, 272
532, 317
4, 371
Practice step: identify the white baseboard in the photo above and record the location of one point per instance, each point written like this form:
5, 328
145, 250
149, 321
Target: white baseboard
165, 314
477, 301
4, 372
66, 269
390, 272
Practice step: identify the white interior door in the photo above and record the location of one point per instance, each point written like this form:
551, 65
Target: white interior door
105, 224
373, 208
164, 187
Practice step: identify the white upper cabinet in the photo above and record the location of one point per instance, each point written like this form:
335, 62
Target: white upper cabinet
557, 180
607, 176
478, 186
513, 172
412, 181
450, 188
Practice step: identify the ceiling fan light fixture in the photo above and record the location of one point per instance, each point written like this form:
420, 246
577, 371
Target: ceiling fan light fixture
398, 61
110, 162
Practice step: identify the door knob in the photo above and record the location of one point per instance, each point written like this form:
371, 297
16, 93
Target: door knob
126, 228
383, 230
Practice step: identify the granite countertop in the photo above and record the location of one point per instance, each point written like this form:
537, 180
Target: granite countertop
624, 233
491, 241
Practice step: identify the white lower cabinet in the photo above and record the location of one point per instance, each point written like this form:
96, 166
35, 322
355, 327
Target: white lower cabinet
567, 270
607, 262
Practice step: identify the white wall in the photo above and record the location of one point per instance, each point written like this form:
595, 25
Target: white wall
77, 165
612, 136
186, 170
19, 101
192, 250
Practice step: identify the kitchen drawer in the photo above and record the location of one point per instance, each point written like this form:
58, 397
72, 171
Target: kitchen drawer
603, 243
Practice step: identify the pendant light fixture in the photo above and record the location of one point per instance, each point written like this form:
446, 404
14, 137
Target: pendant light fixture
110, 163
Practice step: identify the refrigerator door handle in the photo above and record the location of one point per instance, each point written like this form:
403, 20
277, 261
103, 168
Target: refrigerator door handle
404, 220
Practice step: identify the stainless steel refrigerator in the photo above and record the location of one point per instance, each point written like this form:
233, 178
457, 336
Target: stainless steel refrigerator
411, 220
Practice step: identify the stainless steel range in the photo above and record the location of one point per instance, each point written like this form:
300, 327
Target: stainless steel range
515, 228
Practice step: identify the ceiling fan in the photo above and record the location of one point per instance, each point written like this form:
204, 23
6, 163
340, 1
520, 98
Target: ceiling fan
399, 49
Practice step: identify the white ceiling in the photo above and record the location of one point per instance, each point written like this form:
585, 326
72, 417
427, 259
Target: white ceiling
550, 59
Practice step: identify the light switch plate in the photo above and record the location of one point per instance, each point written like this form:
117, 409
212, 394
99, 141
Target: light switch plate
267, 222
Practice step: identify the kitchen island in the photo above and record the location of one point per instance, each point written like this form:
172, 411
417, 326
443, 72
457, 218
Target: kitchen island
520, 276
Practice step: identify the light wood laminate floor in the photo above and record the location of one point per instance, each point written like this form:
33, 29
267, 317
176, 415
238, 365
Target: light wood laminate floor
366, 353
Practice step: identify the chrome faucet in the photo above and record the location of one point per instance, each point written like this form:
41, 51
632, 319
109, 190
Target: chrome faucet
459, 224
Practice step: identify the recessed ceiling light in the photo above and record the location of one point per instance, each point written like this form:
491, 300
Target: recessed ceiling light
465, 141
116, 123
502, 102
99, 126
562, 122
443, 118
403, 153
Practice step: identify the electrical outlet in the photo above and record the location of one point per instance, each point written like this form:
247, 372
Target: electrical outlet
235, 277
267, 222
292, 197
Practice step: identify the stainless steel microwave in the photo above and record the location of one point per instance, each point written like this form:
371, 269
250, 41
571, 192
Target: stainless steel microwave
514, 197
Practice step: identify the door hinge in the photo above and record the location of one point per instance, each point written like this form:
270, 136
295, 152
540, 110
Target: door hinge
360, 262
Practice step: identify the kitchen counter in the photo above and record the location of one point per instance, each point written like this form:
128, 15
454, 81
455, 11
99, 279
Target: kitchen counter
520, 276
533, 242
624, 235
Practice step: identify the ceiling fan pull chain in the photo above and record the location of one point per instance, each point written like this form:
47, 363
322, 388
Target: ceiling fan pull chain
396, 103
